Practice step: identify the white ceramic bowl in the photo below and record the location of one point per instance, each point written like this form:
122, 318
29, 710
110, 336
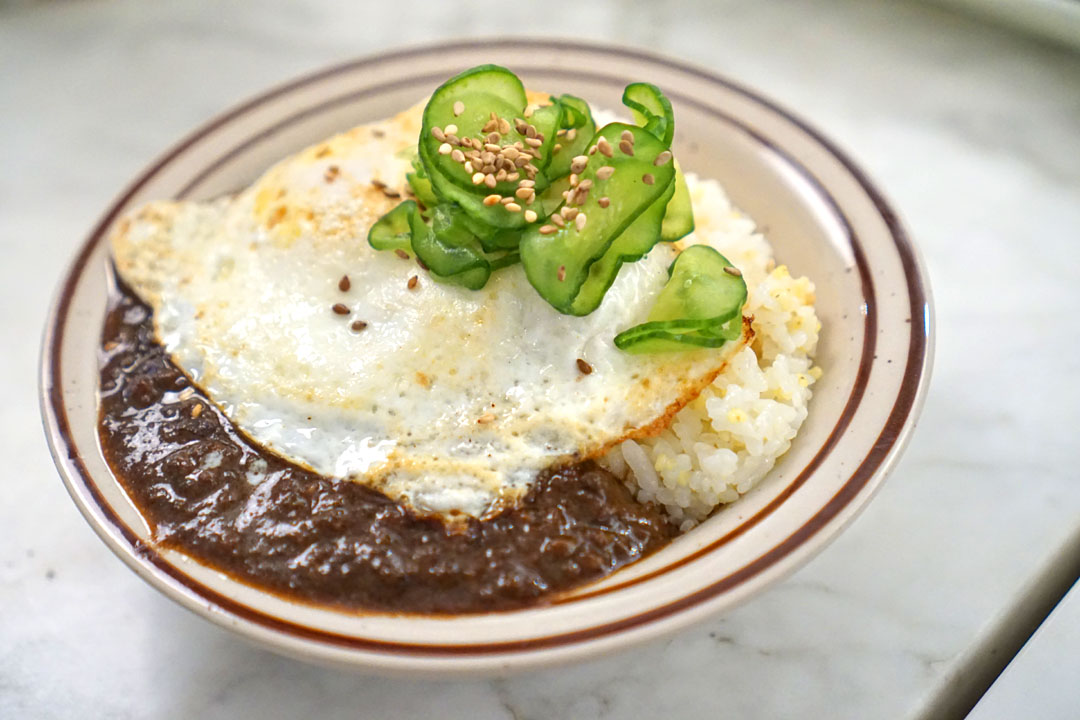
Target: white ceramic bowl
822, 215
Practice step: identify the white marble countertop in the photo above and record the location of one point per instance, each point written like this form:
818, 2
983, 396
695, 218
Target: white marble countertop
973, 131
1041, 680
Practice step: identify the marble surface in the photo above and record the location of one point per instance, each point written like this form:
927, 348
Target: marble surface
973, 131
1041, 680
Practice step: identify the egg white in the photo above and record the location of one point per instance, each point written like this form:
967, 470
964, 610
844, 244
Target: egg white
451, 400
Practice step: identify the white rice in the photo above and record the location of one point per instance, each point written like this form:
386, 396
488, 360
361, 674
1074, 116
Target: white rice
720, 446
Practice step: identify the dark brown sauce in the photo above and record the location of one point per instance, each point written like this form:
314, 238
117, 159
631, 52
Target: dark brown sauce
209, 492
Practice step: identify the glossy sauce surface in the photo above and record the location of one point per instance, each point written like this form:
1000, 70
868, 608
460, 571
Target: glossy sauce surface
207, 491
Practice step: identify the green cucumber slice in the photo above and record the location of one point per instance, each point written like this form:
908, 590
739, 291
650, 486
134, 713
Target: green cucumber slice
679, 218
632, 244
651, 109
557, 263
577, 118
700, 306
393, 230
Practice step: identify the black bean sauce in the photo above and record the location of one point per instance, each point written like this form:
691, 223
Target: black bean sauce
209, 492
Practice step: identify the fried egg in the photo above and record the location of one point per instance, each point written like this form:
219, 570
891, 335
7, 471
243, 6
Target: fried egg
448, 399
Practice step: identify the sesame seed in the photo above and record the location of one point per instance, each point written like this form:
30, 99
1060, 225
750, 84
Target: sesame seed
584, 367
490, 180
648, 179
412, 282
571, 134
468, 166
504, 126
530, 216
401, 254
196, 411
605, 172
579, 222
626, 136
604, 201
527, 183
513, 177
529, 110
445, 149
604, 147
573, 179
331, 173
478, 178
492, 200
592, 150
485, 418
584, 185
344, 284
733, 271
459, 107
558, 220
663, 158
561, 274
513, 207
450, 129
523, 192
492, 147
453, 139
457, 156
340, 309
438, 134
578, 164
557, 147
626, 148
569, 213
547, 229
533, 141
506, 200
358, 326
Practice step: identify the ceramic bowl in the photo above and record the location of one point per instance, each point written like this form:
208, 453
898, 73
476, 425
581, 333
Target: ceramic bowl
825, 220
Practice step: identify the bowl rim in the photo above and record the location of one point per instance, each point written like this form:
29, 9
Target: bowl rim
837, 512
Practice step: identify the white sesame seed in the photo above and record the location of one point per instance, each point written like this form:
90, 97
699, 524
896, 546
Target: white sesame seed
571, 134
490, 180
504, 126
547, 229
457, 156
530, 216
507, 200
627, 136
578, 164
523, 192
450, 129
459, 107
478, 178
492, 200
438, 134
558, 220
605, 147
605, 172
533, 142
468, 167
569, 213
528, 183
579, 222
445, 149
513, 207
663, 158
